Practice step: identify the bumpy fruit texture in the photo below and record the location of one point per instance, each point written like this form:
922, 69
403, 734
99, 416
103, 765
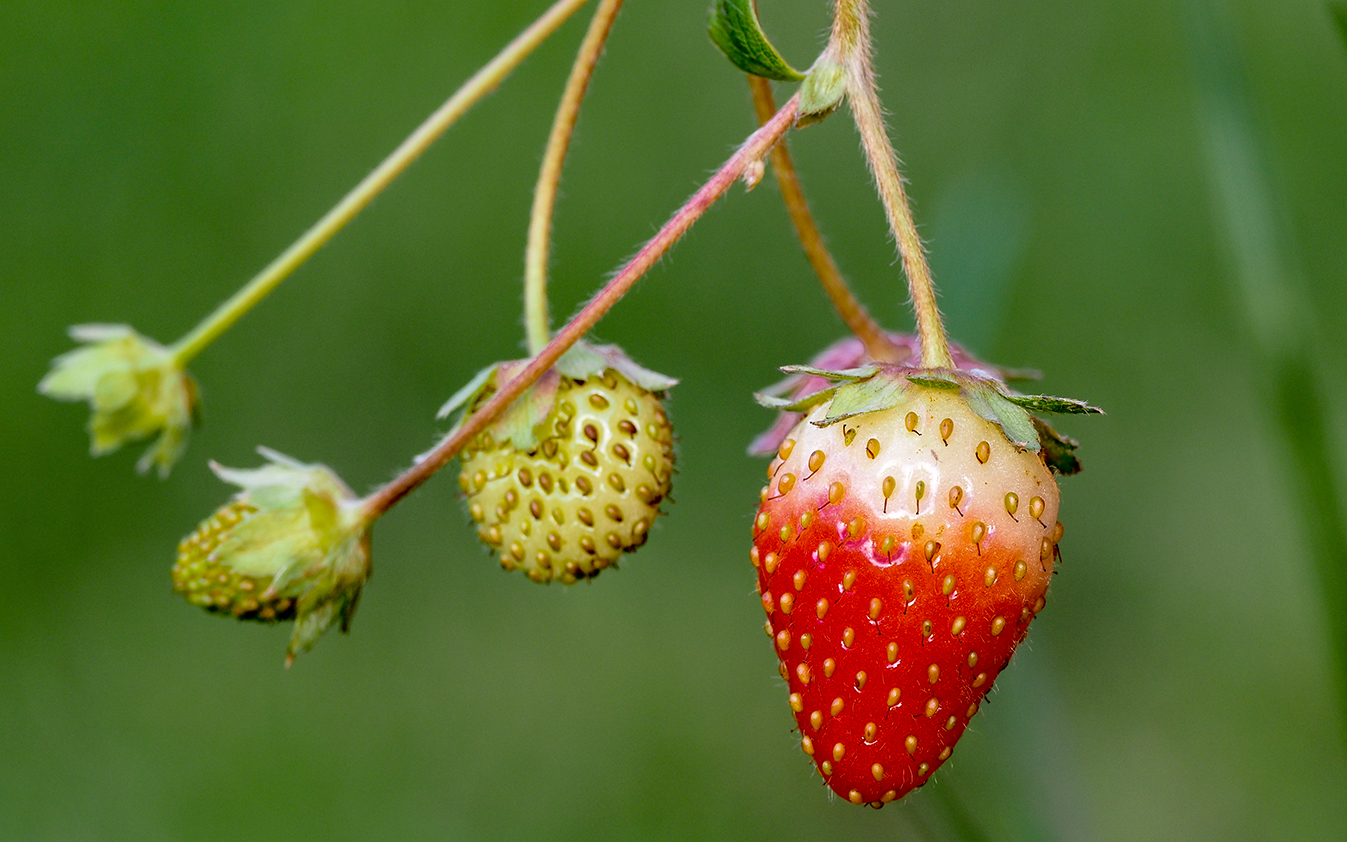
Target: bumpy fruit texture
588, 492
216, 586
901, 555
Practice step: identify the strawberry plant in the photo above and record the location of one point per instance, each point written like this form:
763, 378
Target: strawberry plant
903, 544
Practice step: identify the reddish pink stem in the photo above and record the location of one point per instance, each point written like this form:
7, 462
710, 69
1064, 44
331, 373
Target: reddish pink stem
753, 149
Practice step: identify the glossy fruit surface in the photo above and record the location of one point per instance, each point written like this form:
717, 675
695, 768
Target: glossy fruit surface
589, 491
901, 555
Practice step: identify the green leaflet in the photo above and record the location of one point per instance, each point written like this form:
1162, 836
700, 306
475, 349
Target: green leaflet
1048, 403
855, 374
802, 405
735, 29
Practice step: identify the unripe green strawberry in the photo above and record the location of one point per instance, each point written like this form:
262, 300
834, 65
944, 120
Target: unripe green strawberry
905, 541
294, 543
573, 473
213, 584
587, 492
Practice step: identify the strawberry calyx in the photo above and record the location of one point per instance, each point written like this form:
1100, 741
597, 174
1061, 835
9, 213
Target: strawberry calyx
874, 386
524, 424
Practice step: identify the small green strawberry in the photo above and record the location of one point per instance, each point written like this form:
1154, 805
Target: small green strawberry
293, 544
574, 474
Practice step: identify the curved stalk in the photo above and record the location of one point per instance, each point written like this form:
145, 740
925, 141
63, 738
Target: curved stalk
753, 149
536, 319
482, 82
853, 313
850, 44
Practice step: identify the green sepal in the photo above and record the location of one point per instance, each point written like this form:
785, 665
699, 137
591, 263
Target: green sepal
1059, 451
583, 360
468, 394
1048, 403
865, 372
822, 92
936, 380
802, 405
735, 29
1015, 422
861, 397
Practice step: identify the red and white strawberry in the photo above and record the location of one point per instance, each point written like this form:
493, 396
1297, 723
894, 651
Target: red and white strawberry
905, 540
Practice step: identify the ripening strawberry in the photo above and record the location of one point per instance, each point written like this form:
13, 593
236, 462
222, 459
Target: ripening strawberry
903, 545
573, 478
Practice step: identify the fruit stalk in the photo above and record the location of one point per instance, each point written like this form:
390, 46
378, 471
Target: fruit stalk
849, 308
757, 146
482, 82
549, 177
851, 45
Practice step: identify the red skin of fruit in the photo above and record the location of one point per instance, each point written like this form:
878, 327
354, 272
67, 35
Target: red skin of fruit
892, 605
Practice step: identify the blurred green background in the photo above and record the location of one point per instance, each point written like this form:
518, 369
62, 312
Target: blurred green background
1108, 190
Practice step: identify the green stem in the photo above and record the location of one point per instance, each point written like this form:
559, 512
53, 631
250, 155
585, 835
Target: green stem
851, 45
545, 194
481, 83
753, 150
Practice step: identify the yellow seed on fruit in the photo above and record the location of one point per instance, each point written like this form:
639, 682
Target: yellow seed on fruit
890, 796
922, 769
796, 702
824, 550
783, 640
998, 624
945, 753
856, 528
806, 640
931, 548
826, 768
838, 751
836, 492
860, 679
808, 746
1035, 507
972, 659
836, 706
980, 680
910, 421
816, 460
1057, 531
783, 452
1012, 503
946, 430
955, 498
802, 673
872, 448
854, 796
821, 608
848, 579
787, 602
798, 579
848, 637
816, 719
894, 695
972, 709
932, 705
875, 607
1020, 569
877, 771
989, 577
754, 556
829, 665
871, 731
957, 626
888, 487
947, 586
892, 652
984, 452
770, 562
785, 484
950, 723
910, 744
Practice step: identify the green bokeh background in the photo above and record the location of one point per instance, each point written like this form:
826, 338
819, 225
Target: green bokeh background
153, 155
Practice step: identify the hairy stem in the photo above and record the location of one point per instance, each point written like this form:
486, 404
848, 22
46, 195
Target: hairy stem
482, 82
545, 194
853, 312
753, 149
851, 44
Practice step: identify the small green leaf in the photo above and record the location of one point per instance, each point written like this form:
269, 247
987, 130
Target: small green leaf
735, 29
1047, 403
858, 398
1059, 452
